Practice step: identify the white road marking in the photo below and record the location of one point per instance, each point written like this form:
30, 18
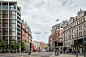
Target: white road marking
21, 56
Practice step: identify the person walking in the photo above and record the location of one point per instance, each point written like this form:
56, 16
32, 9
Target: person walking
57, 52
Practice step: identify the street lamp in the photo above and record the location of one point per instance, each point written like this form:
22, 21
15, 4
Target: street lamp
77, 44
38, 39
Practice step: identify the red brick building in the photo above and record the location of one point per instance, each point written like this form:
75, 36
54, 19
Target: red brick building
26, 35
57, 35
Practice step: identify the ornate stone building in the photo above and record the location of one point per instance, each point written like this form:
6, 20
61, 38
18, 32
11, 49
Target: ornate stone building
75, 32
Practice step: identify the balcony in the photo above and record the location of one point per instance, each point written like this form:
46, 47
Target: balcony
18, 35
19, 28
18, 24
18, 20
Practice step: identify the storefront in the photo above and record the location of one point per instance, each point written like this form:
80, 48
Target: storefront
81, 44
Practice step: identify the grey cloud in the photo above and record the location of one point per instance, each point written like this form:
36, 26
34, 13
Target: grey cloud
40, 15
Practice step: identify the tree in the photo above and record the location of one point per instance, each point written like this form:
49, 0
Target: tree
46, 48
2, 43
15, 45
22, 46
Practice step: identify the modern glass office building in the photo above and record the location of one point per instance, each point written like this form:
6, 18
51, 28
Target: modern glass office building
10, 22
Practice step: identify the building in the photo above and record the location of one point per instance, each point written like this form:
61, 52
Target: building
26, 35
75, 32
10, 22
50, 42
43, 45
36, 45
57, 35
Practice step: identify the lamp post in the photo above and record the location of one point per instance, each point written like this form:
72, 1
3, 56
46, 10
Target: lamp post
77, 44
38, 40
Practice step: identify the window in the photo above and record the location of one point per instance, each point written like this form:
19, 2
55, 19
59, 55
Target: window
12, 33
72, 36
4, 14
81, 33
72, 30
73, 19
77, 22
76, 18
12, 25
81, 20
79, 27
5, 29
12, 21
84, 25
0, 5
12, 37
12, 7
12, 29
5, 37
84, 19
12, 14
0, 21
5, 6
5, 32
60, 34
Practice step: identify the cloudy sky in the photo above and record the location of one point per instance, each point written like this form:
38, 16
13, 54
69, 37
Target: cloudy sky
40, 15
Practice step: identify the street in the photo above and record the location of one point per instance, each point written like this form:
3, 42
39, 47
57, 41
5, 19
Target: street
34, 54
38, 54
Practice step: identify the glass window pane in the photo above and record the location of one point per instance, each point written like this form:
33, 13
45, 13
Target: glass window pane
4, 14
12, 33
0, 32
12, 7
13, 16
0, 6
5, 25
5, 37
4, 6
13, 38
12, 21
5, 29
12, 25
0, 12
5, 33
0, 29
13, 12
0, 25
0, 21
12, 29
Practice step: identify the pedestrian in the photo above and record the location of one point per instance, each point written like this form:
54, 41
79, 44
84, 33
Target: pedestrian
57, 52
29, 52
60, 51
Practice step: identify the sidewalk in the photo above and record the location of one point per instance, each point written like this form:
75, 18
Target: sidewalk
4, 53
67, 55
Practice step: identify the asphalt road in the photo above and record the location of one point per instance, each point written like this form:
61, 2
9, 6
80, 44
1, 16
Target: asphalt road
37, 54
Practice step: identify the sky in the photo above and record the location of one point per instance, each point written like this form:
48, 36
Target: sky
41, 15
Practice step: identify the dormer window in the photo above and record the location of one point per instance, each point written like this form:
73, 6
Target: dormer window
73, 19
76, 18
81, 14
